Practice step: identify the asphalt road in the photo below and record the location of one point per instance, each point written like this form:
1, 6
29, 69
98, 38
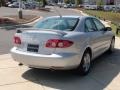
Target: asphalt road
13, 11
6, 35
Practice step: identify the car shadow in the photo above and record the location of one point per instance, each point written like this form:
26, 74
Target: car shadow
104, 69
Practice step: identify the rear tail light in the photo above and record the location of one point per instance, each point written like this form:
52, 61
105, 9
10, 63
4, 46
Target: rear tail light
17, 40
58, 43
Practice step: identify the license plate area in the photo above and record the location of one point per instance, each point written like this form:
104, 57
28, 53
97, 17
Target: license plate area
32, 48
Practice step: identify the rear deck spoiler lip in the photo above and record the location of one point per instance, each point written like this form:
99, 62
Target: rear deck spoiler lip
35, 29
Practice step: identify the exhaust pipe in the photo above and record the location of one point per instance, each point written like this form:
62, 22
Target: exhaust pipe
20, 64
51, 69
55, 68
19, 31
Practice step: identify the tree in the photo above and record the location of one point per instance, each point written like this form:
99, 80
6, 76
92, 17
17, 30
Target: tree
42, 3
100, 3
66, 1
79, 2
2, 2
20, 13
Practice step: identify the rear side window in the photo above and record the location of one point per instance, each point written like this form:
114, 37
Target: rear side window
89, 25
98, 24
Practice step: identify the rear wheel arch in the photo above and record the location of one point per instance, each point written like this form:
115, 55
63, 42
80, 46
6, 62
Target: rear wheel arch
113, 37
81, 69
111, 48
88, 49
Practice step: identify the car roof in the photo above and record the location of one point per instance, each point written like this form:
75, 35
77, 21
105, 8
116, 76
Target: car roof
71, 16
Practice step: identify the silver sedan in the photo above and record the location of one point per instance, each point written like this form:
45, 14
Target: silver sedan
63, 43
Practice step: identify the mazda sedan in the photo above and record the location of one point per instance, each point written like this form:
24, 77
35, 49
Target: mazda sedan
63, 43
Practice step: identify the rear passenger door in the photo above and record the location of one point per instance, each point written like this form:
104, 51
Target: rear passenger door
95, 37
105, 39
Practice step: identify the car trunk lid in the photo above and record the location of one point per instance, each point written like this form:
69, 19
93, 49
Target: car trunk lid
34, 41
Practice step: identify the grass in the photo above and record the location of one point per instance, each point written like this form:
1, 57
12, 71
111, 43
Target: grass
114, 27
111, 16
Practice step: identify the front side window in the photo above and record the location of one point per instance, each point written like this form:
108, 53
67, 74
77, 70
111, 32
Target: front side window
89, 25
64, 24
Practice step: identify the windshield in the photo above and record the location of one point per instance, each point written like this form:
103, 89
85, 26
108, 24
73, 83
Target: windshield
63, 24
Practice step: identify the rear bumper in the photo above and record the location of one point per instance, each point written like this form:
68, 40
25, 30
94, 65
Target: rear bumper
53, 61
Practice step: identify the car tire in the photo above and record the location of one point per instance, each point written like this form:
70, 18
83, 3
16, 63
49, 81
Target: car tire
111, 48
85, 64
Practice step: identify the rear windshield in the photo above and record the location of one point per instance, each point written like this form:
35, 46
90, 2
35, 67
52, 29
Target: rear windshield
63, 24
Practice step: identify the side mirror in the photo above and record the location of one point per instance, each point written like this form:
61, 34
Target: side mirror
108, 29
19, 31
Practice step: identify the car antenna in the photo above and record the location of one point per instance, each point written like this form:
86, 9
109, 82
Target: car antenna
58, 12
